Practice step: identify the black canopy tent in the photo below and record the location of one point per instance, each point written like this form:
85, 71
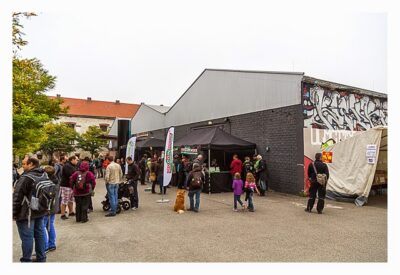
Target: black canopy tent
214, 138
153, 144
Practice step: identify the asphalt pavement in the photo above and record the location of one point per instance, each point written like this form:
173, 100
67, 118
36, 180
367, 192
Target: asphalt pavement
278, 231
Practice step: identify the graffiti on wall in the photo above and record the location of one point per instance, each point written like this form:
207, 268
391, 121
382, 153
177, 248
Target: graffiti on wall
342, 110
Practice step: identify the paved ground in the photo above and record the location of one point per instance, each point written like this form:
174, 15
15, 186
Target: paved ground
279, 231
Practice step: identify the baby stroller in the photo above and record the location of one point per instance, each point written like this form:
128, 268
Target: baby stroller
124, 192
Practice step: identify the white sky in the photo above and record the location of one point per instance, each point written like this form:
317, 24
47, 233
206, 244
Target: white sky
152, 53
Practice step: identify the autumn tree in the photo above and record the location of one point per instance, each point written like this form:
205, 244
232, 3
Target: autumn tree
60, 138
32, 109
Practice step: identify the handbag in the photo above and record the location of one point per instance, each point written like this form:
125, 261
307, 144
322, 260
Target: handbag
152, 176
321, 178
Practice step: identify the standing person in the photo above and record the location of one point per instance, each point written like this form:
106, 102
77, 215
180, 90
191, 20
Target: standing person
237, 186
250, 186
148, 164
58, 173
160, 175
142, 167
113, 178
318, 167
48, 220
29, 222
180, 173
187, 168
261, 172
83, 183
236, 165
248, 166
91, 169
122, 163
99, 167
15, 173
67, 196
153, 175
106, 162
132, 177
195, 181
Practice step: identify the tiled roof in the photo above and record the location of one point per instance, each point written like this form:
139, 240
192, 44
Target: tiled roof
96, 108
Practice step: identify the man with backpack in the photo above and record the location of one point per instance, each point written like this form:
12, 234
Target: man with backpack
318, 174
195, 181
32, 198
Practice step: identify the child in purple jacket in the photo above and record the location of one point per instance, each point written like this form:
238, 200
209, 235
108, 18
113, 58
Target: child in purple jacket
237, 186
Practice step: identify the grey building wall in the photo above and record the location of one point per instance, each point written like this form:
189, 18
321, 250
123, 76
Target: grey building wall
280, 129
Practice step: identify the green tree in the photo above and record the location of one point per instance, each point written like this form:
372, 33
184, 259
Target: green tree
60, 138
91, 141
32, 109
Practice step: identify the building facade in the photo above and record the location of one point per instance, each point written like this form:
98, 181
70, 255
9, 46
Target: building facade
288, 115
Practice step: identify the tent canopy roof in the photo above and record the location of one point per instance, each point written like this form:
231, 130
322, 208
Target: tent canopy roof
150, 142
215, 138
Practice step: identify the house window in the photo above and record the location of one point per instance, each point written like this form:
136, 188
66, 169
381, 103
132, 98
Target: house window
103, 127
71, 124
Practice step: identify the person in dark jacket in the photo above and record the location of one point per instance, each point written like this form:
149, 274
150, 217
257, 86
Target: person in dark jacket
160, 175
153, 171
82, 196
29, 222
315, 187
142, 167
194, 175
132, 177
67, 196
261, 174
48, 220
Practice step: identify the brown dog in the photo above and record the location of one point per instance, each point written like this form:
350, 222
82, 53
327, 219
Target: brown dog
180, 200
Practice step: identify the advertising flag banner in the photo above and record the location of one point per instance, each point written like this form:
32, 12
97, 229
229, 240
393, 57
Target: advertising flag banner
130, 151
168, 156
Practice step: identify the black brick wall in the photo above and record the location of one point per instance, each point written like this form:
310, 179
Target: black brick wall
281, 130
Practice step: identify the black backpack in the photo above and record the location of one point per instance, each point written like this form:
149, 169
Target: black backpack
43, 194
197, 180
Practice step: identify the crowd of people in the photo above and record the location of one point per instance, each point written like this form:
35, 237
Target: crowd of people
40, 192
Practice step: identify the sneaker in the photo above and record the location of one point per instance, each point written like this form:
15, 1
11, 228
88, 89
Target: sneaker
319, 212
63, 217
52, 248
189, 209
84, 221
235, 210
307, 210
71, 214
110, 215
196, 210
134, 208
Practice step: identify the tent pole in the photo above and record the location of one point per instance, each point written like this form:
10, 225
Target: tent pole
209, 174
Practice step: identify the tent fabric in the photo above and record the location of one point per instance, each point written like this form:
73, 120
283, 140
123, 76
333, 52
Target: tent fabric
351, 177
150, 142
215, 138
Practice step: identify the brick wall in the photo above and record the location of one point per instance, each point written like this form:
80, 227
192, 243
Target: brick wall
281, 130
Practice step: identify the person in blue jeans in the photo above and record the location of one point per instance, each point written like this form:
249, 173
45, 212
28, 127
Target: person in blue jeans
48, 220
195, 181
29, 222
112, 178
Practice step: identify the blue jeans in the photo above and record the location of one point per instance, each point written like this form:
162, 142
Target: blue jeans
112, 190
236, 199
250, 199
191, 195
37, 232
50, 231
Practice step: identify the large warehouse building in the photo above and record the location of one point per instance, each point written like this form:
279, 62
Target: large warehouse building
286, 114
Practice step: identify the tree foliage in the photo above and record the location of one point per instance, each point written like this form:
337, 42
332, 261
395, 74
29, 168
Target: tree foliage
60, 138
90, 140
32, 109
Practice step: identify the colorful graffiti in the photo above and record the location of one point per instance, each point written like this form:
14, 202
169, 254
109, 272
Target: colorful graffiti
342, 110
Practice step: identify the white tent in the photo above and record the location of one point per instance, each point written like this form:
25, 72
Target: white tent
355, 161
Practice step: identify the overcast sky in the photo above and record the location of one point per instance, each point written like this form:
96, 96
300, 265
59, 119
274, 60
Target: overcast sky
145, 54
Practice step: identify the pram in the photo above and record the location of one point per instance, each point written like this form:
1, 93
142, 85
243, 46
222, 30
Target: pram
124, 192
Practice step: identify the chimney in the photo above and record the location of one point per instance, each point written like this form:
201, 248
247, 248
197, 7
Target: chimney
89, 99
117, 101
58, 95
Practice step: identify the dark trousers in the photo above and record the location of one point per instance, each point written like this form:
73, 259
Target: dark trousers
142, 176
153, 186
90, 203
160, 180
82, 206
134, 197
314, 189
